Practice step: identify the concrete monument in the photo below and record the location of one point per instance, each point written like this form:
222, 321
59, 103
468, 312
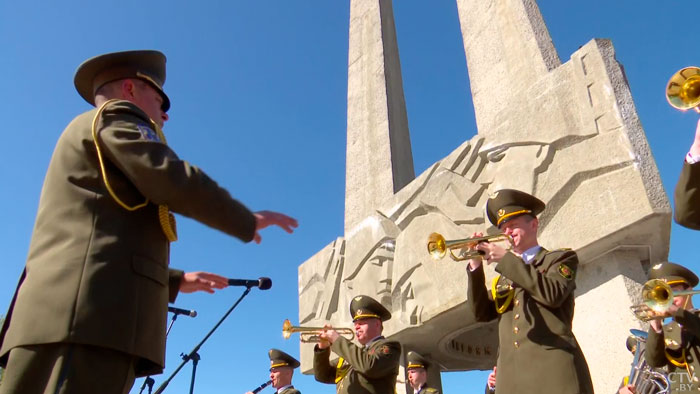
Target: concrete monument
567, 133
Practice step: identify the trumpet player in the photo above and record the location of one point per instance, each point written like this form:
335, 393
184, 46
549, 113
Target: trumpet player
533, 300
417, 370
282, 367
369, 368
687, 193
677, 344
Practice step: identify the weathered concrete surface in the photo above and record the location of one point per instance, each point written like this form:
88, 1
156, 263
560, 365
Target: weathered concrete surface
379, 159
567, 133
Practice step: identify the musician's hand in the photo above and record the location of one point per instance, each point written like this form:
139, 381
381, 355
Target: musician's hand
493, 252
201, 281
249, 392
695, 148
629, 389
474, 263
328, 335
656, 325
491, 382
269, 218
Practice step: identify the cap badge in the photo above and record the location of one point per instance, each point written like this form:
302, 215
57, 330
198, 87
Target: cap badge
358, 298
501, 212
358, 312
657, 266
493, 195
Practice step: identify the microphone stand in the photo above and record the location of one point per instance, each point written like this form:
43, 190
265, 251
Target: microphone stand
193, 355
149, 380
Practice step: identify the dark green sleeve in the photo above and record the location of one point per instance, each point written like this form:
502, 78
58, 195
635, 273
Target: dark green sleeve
550, 288
687, 196
323, 371
174, 278
479, 306
162, 177
655, 351
689, 321
379, 360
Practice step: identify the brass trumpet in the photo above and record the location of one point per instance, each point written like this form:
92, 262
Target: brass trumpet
438, 246
683, 89
657, 296
312, 334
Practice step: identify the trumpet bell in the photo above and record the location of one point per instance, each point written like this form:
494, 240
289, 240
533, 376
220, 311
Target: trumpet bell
657, 296
683, 89
312, 334
436, 246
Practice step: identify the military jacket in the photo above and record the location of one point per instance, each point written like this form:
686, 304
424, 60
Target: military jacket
372, 369
538, 352
427, 390
679, 342
687, 197
289, 390
97, 273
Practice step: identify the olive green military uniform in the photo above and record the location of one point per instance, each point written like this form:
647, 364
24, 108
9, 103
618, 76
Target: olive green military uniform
280, 359
413, 361
289, 390
97, 274
687, 197
538, 352
677, 347
370, 369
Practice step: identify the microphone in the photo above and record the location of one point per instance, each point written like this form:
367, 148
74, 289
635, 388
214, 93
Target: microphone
261, 283
178, 311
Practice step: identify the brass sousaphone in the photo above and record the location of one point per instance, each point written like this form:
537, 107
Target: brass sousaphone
683, 89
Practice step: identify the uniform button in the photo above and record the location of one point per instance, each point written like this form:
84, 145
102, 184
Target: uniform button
515, 330
516, 302
516, 344
517, 316
695, 378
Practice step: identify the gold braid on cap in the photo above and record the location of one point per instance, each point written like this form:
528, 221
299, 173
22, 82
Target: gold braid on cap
279, 365
508, 215
166, 219
415, 366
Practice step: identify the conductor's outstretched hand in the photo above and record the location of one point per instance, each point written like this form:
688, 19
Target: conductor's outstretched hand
269, 218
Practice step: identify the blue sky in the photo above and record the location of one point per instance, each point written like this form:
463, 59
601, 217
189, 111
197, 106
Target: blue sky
259, 102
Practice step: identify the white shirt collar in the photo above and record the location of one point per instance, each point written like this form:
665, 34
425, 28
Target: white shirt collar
419, 389
281, 389
529, 254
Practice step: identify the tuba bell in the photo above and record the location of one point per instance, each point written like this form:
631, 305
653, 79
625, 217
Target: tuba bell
683, 89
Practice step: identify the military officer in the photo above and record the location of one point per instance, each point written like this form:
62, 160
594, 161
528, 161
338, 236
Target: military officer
370, 368
533, 299
89, 313
687, 193
676, 345
282, 367
416, 367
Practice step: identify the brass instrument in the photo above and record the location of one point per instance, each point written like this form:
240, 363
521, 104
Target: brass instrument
657, 296
683, 89
645, 379
438, 246
312, 334
262, 386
